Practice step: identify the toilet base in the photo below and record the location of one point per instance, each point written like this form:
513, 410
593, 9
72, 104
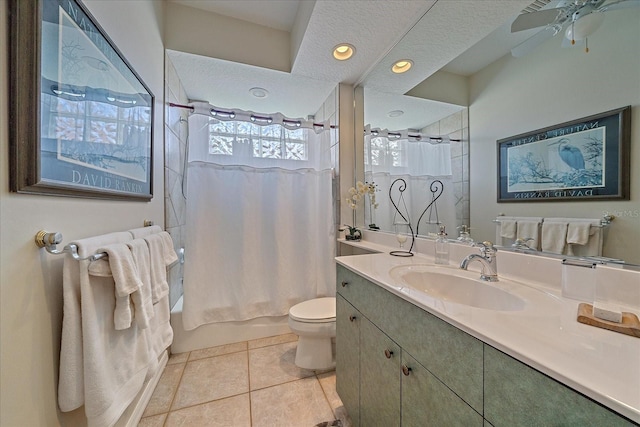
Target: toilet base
315, 353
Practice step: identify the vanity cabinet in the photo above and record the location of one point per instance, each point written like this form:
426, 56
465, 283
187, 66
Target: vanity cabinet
397, 364
379, 381
348, 357
518, 395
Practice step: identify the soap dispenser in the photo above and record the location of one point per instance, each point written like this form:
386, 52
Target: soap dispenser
464, 236
442, 247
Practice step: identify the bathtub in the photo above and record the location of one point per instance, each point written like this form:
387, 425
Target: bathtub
215, 334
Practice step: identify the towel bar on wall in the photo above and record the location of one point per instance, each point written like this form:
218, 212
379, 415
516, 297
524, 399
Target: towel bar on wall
50, 241
604, 222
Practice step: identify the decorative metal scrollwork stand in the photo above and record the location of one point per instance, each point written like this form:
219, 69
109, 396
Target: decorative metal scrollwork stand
436, 188
402, 187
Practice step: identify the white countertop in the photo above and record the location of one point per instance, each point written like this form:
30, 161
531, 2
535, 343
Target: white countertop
601, 364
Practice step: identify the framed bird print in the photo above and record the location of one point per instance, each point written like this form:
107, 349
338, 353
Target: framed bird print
585, 159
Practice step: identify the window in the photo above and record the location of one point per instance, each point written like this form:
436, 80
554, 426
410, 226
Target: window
267, 142
387, 152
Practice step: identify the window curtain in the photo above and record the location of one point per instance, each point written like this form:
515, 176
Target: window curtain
419, 163
260, 233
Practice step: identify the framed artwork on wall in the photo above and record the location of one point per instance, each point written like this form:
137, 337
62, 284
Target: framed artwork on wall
81, 119
585, 159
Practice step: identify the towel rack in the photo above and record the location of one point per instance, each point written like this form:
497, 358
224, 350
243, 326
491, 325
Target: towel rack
604, 222
50, 241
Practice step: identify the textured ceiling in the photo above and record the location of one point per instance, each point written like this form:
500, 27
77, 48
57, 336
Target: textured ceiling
373, 27
445, 32
440, 31
418, 112
226, 84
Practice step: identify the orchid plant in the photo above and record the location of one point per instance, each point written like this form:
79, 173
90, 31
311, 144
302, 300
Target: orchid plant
356, 194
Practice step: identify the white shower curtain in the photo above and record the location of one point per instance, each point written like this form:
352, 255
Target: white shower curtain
260, 232
419, 163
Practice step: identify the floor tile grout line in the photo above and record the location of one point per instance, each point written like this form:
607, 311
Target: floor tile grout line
335, 416
175, 392
249, 391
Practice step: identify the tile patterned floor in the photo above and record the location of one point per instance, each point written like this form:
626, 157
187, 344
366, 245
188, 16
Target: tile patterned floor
252, 383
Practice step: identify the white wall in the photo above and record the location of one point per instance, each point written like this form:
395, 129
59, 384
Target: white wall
210, 34
550, 86
31, 280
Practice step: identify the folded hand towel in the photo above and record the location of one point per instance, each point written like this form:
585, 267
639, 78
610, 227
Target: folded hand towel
140, 233
170, 255
578, 231
507, 227
530, 230
127, 281
554, 236
142, 299
100, 268
159, 285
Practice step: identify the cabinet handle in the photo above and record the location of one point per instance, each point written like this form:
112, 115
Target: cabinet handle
388, 353
344, 283
406, 370
352, 318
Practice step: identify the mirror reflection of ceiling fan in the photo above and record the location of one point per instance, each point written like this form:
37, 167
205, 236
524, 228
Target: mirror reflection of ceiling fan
576, 19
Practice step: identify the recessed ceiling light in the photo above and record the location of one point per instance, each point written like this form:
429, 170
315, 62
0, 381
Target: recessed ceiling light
343, 51
395, 113
259, 92
402, 66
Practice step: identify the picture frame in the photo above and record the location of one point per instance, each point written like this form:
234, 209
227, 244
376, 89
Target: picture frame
81, 118
582, 160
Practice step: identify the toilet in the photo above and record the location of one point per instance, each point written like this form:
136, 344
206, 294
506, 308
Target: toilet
314, 321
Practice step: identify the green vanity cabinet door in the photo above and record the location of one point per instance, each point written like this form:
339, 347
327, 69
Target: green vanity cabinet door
518, 395
348, 321
426, 401
379, 378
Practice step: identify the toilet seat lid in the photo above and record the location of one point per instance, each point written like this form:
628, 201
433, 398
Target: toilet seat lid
314, 310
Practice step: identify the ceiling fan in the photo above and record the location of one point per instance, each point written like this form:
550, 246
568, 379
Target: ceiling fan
577, 19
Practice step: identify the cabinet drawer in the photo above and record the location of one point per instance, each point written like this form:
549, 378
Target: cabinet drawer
350, 285
518, 395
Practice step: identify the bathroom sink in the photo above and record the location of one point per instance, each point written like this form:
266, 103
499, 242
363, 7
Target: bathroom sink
457, 286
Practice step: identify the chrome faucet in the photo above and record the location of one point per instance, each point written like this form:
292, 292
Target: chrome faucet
487, 258
523, 244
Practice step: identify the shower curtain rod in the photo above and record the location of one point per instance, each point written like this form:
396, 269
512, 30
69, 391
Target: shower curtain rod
288, 121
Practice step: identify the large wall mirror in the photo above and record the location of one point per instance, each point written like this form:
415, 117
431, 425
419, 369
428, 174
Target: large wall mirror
470, 87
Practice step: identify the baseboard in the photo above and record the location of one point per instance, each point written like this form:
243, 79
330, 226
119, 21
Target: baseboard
131, 417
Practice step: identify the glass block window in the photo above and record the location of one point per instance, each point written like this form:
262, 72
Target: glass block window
384, 151
267, 142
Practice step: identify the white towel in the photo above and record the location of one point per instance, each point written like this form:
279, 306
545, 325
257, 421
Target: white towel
141, 233
142, 299
507, 227
170, 255
586, 234
529, 229
127, 282
554, 235
159, 285
100, 367
578, 232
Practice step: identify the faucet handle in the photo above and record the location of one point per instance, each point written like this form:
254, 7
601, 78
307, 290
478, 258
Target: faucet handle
487, 248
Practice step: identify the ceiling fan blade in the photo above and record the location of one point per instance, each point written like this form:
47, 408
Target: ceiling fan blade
620, 4
532, 42
527, 21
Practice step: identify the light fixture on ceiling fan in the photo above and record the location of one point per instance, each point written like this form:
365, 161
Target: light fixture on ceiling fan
577, 19
582, 27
